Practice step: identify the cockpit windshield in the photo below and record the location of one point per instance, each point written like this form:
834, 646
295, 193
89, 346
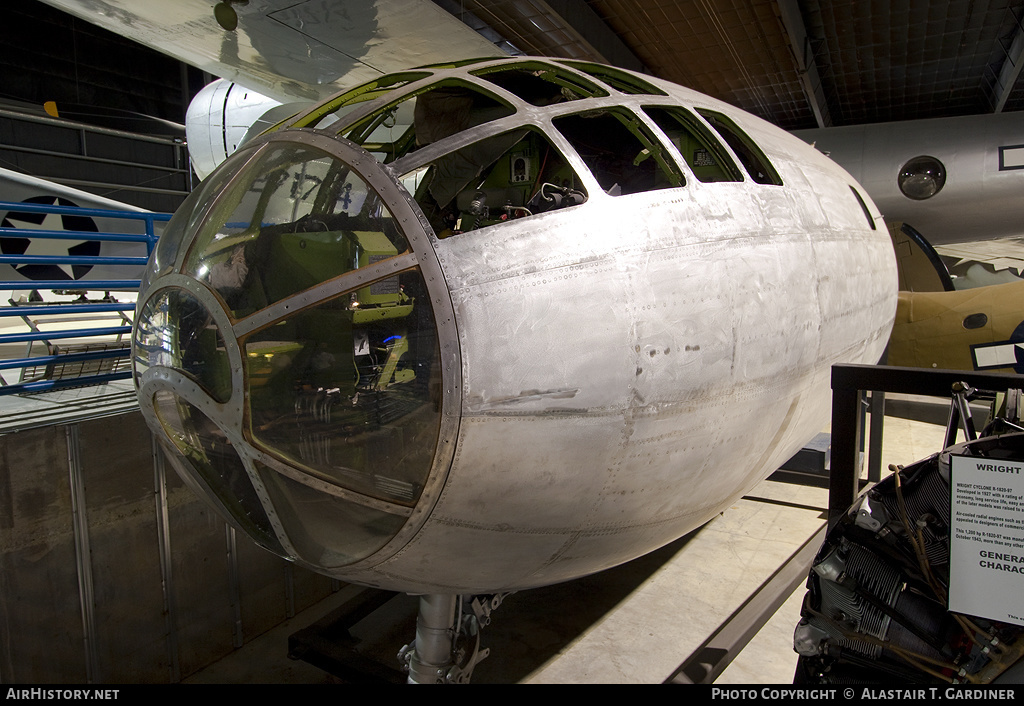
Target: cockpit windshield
497, 179
331, 111
621, 152
297, 217
416, 119
541, 84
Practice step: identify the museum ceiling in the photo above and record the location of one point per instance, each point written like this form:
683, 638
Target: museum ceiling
797, 63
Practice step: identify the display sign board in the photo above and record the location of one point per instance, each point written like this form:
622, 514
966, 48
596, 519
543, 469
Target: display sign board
986, 562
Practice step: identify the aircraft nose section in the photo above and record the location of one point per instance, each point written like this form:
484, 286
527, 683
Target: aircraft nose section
288, 350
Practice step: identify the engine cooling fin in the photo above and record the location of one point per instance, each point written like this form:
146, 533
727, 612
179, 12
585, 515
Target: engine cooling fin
875, 610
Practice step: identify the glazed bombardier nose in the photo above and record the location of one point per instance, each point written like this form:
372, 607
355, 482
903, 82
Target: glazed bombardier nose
289, 351
489, 326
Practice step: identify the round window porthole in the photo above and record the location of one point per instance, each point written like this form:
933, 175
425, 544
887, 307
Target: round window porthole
922, 177
974, 321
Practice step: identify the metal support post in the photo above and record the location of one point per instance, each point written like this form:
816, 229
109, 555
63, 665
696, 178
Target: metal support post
83, 554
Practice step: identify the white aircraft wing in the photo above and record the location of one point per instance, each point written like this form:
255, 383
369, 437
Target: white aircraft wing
1002, 253
984, 262
288, 49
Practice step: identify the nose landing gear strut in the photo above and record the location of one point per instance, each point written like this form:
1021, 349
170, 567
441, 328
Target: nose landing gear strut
447, 644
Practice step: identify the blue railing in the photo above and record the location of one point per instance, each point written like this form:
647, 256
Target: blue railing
74, 357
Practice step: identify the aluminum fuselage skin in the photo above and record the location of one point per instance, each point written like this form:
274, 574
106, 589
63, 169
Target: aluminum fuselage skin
616, 373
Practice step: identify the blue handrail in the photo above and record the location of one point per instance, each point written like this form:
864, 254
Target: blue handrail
89, 360
74, 234
45, 309
147, 217
65, 334
96, 285
70, 260
65, 358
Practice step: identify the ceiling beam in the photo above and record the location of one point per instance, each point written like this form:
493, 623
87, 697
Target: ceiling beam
800, 43
593, 30
562, 28
457, 9
1010, 72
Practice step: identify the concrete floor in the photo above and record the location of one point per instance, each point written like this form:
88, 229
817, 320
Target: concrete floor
769, 657
633, 624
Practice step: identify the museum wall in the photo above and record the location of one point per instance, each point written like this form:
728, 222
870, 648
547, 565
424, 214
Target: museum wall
82, 594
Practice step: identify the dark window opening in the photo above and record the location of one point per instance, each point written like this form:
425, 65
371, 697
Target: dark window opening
864, 208
622, 154
540, 84
619, 80
498, 179
753, 159
975, 321
701, 150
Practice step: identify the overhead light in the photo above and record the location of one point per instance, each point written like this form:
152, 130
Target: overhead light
226, 15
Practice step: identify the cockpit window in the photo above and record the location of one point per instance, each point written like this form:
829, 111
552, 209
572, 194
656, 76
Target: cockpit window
457, 64
623, 155
619, 80
753, 159
296, 217
206, 454
438, 111
175, 330
349, 390
864, 208
540, 84
331, 111
498, 179
702, 151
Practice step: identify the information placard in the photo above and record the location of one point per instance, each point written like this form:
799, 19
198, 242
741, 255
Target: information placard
986, 562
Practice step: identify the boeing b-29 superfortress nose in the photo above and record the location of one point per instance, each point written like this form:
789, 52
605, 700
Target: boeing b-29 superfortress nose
491, 326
